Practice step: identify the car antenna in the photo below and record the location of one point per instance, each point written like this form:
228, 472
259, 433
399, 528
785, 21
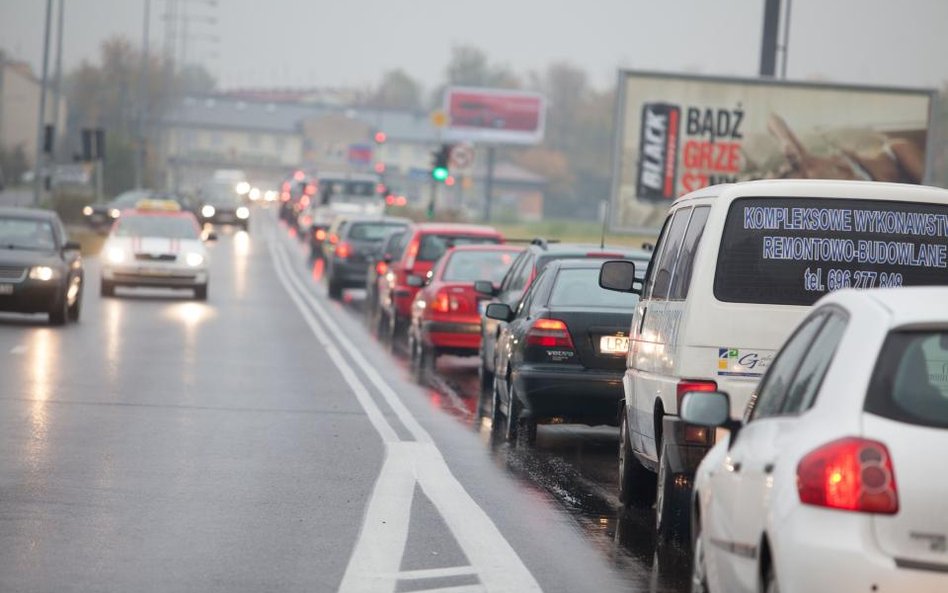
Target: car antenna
604, 212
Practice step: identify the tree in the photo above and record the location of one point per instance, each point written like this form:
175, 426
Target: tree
397, 90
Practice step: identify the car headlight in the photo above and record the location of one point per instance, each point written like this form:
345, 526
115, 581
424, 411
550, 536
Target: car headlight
87, 211
243, 212
194, 259
42, 273
207, 211
116, 255
115, 212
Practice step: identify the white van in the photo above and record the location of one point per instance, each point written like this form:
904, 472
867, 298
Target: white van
736, 267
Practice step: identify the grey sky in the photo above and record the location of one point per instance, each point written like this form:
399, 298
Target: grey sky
351, 42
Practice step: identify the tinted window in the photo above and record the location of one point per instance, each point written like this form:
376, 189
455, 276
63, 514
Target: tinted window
792, 251
371, 231
580, 288
469, 266
433, 246
809, 377
662, 274
681, 280
171, 227
26, 233
392, 245
774, 385
522, 275
910, 381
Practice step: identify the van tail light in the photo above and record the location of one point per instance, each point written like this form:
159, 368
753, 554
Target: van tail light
343, 250
447, 302
380, 268
851, 474
549, 333
686, 385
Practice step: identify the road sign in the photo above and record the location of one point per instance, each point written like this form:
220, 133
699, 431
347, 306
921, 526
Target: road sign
462, 156
439, 118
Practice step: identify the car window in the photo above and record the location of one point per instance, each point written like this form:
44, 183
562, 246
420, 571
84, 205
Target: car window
371, 231
433, 246
529, 302
819, 356
470, 266
681, 279
580, 288
171, 227
665, 265
773, 387
910, 380
512, 272
26, 233
519, 281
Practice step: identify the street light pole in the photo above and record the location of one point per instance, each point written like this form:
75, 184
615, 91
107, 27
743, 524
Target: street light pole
58, 73
41, 124
140, 154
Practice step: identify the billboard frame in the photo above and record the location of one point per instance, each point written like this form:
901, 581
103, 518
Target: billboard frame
489, 136
618, 141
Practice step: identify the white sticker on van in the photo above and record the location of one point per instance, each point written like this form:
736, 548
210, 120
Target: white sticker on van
735, 362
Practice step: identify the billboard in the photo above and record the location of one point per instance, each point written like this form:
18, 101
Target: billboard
493, 116
677, 133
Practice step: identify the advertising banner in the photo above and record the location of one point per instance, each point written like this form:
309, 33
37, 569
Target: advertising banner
680, 133
493, 116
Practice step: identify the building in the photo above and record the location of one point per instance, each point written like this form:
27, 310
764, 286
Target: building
19, 108
269, 139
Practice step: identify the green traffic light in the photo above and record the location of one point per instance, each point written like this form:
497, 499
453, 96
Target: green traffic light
440, 173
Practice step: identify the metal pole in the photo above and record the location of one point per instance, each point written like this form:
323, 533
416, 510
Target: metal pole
142, 101
489, 183
58, 73
768, 44
786, 41
41, 124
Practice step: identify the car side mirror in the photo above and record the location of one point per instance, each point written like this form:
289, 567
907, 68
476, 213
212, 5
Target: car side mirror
428, 277
711, 409
72, 246
618, 275
499, 311
415, 281
485, 287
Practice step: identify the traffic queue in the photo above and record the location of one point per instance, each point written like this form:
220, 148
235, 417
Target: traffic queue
776, 368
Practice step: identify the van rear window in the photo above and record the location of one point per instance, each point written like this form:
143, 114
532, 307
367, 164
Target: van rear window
793, 251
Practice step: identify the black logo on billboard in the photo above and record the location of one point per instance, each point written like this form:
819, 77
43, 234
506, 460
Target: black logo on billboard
658, 151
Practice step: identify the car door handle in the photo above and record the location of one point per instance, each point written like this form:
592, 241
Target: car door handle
736, 466
769, 468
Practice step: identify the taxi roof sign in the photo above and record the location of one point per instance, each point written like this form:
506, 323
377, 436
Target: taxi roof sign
160, 205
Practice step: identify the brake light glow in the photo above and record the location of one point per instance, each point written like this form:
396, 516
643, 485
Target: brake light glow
333, 238
549, 333
320, 234
852, 474
441, 302
686, 385
343, 250
380, 268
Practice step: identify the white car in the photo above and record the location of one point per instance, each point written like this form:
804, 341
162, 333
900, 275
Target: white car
833, 482
155, 247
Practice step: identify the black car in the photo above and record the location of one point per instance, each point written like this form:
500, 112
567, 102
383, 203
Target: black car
221, 204
349, 249
519, 278
389, 250
100, 216
561, 354
40, 269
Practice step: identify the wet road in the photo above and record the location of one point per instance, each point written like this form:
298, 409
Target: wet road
263, 441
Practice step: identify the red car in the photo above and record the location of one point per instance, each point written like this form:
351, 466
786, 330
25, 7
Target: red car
444, 315
424, 244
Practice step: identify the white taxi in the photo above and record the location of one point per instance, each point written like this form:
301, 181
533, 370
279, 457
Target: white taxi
156, 245
833, 482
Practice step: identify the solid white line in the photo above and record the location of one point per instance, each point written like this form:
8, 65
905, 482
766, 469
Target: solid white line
496, 562
436, 573
454, 589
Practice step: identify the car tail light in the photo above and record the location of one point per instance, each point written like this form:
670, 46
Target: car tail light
851, 474
333, 239
320, 234
446, 302
380, 268
686, 385
549, 333
343, 250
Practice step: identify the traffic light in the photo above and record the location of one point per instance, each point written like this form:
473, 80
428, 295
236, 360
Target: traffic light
439, 162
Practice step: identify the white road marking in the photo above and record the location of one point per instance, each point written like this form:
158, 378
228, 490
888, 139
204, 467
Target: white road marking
436, 573
377, 556
21, 349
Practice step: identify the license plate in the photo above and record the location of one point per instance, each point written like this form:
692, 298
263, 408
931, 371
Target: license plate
6, 289
614, 344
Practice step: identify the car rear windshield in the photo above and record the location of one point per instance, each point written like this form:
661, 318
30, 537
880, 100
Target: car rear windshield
26, 233
170, 227
580, 288
372, 231
792, 251
469, 266
433, 246
910, 381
